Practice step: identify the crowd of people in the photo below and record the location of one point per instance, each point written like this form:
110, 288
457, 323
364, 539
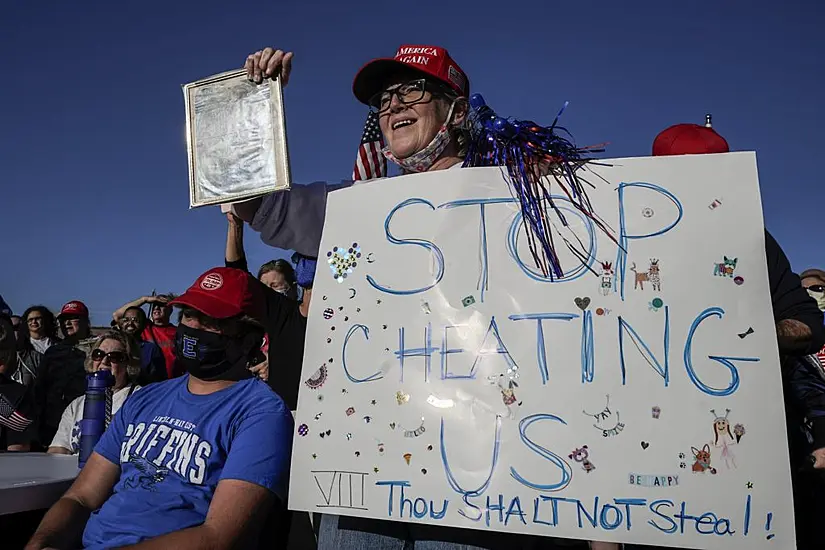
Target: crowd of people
197, 452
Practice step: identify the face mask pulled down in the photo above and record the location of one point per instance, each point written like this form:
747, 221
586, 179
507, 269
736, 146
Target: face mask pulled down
424, 159
210, 356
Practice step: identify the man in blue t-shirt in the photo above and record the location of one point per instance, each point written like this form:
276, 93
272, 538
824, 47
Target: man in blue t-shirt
194, 462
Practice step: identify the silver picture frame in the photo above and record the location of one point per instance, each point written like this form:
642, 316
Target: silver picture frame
235, 138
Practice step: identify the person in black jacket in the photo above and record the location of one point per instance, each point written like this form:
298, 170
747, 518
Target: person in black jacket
61, 377
804, 385
286, 329
799, 323
799, 332
799, 328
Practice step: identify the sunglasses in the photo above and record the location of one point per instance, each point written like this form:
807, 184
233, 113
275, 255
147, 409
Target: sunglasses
115, 357
816, 288
31, 320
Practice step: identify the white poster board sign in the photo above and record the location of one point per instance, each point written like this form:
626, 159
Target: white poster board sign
638, 399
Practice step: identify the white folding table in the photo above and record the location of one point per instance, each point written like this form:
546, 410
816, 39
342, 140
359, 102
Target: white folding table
34, 481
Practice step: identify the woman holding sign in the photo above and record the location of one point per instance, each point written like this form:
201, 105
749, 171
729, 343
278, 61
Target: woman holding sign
420, 101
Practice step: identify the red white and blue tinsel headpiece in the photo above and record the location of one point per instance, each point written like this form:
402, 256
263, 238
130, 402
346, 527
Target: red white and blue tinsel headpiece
533, 157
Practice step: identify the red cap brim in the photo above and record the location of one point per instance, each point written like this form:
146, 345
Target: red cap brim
207, 304
369, 80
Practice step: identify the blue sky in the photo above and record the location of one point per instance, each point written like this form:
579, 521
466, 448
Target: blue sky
92, 148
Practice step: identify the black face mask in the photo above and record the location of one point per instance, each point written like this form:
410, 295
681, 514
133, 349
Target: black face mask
210, 356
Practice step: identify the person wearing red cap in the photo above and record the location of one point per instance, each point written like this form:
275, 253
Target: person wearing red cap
74, 320
689, 139
798, 320
199, 461
61, 376
420, 96
800, 332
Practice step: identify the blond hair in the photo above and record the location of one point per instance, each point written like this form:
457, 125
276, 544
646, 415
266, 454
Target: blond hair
132, 351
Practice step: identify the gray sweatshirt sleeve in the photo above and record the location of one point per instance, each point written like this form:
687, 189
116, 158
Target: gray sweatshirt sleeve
294, 219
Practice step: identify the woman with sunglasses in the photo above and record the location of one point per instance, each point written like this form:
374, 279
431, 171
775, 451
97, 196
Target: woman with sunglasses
113, 351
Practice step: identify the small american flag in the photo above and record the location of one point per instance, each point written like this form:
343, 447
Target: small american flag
10, 418
370, 162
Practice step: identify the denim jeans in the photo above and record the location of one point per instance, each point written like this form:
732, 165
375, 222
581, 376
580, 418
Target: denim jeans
331, 537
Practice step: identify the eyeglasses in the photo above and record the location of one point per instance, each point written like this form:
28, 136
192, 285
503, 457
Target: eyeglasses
115, 357
816, 288
31, 320
409, 93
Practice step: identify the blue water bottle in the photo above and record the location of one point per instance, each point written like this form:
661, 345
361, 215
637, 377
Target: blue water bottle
97, 412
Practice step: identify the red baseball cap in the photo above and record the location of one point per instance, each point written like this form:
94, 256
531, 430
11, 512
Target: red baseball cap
431, 61
75, 308
224, 292
689, 139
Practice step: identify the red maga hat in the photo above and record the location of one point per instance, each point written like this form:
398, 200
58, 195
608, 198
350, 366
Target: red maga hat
223, 292
74, 308
689, 139
431, 61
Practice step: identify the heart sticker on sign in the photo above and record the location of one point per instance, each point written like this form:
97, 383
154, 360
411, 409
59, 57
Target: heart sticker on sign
343, 260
